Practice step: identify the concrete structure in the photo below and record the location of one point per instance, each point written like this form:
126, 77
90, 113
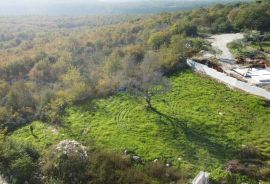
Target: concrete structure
201, 178
257, 76
242, 77
230, 81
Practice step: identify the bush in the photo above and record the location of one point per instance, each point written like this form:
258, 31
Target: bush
158, 39
23, 168
186, 29
220, 176
250, 163
113, 168
19, 161
265, 173
67, 162
249, 152
166, 174
99, 167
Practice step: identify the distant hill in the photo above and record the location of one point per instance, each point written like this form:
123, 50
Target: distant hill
104, 7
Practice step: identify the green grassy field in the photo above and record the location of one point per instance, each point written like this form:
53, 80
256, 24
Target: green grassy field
219, 121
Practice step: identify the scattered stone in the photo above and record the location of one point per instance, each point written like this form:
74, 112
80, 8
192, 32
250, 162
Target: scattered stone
168, 165
136, 158
126, 152
156, 160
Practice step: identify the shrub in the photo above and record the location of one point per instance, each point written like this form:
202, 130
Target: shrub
250, 163
158, 39
249, 152
218, 176
109, 167
265, 173
23, 168
67, 162
19, 161
166, 174
185, 28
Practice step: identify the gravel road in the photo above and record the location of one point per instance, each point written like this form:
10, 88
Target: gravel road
220, 42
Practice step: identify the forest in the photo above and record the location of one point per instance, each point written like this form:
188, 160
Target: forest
51, 64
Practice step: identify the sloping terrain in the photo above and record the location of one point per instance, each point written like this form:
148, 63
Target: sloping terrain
60, 81
220, 42
182, 130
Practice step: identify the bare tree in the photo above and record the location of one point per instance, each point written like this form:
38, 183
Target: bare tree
147, 79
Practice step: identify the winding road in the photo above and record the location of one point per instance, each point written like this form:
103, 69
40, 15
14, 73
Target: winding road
220, 42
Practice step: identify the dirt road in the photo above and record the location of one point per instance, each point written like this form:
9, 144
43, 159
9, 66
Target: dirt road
220, 42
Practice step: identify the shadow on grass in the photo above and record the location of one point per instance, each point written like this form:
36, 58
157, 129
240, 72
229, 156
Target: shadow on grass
174, 122
32, 132
189, 138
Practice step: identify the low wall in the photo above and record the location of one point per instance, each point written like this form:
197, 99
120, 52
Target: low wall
229, 80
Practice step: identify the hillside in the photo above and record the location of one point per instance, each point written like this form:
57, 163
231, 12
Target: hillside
213, 135
109, 99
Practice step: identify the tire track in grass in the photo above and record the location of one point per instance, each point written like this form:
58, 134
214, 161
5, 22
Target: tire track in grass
122, 115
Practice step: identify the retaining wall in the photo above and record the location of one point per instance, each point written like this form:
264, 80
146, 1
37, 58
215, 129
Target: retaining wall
229, 80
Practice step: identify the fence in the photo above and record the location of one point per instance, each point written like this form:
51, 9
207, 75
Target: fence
229, 80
